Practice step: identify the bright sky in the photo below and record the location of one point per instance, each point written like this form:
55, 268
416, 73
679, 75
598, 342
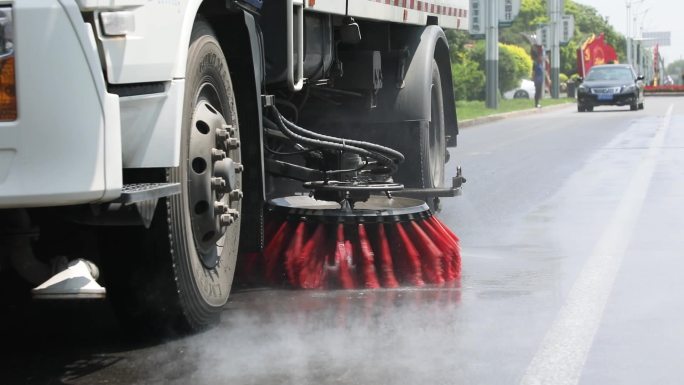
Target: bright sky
652, 15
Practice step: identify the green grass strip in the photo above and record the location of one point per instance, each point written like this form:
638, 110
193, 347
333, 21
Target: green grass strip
476, 109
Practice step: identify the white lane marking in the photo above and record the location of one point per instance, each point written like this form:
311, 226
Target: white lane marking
563, 351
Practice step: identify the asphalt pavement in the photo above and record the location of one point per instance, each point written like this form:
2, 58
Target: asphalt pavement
571, 228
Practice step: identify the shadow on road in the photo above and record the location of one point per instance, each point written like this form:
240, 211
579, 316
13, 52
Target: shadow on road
56, 343
80, 342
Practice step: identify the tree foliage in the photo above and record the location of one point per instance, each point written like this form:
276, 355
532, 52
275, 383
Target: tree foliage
469, 80
676, 69
521, 58
533, 13
514, 64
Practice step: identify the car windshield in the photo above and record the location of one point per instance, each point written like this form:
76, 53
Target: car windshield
610, 73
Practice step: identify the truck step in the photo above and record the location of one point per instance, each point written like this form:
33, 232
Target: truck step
140, 192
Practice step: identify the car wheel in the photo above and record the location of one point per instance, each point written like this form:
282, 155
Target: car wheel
641, 106
521, 94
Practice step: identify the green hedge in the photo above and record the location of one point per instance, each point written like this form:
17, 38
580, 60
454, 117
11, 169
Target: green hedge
469, 80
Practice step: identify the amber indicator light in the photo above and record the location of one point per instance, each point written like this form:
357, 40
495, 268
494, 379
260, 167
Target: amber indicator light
8, 95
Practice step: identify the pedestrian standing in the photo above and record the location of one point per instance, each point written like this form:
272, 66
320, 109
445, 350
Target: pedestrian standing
538, 77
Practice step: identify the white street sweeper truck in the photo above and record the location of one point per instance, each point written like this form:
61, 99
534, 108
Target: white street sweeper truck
146, 146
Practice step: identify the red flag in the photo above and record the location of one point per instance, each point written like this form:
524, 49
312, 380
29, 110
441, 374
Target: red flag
595, 51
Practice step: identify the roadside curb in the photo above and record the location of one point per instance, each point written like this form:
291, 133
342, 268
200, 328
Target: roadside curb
646, 93
493, 118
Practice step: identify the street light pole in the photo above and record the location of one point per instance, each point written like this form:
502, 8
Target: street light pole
628, 34
628, 5
637, 41
492, 54
555, 11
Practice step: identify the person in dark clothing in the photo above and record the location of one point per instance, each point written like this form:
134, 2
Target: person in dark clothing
538, 77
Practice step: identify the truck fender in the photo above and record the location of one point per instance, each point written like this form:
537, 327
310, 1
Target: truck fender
186, 29
413, 99
244, 50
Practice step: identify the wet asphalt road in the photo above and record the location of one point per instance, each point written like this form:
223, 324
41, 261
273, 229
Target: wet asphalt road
572, 229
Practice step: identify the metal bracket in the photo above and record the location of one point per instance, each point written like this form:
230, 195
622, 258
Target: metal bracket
296, 83
453, 191
292, 171
267, 100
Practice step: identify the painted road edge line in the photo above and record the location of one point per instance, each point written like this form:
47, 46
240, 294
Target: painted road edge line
562, 354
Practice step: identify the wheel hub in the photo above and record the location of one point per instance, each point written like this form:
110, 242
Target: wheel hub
213, 180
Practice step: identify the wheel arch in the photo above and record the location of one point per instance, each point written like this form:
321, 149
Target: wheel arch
443, 59
414, 99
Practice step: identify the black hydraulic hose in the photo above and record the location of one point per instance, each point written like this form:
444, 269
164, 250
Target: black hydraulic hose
272, 125
383, 155
386, 161
291, 106
291, 153
395, 155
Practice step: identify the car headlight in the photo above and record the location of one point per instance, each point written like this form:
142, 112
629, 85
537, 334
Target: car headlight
629, 88
582, 88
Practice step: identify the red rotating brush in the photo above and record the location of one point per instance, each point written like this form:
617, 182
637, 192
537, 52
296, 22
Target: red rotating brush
379, 243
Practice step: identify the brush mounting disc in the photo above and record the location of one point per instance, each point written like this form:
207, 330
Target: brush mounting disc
375, 209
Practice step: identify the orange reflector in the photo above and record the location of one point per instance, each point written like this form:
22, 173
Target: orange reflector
8, 95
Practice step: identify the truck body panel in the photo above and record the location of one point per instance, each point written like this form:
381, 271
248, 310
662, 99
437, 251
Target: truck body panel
65, 146
451, 13
151, 127
150, 52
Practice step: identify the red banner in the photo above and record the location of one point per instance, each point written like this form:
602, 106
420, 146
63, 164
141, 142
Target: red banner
594, 51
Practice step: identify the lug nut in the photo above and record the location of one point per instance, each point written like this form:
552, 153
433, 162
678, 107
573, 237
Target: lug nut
233, 143
220, 208
217, 154
239, 167
218, 183
221, 134
231, 130
234, 213
235, 195
226, 220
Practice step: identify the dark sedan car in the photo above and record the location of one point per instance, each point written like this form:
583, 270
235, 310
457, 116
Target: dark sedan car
611, 85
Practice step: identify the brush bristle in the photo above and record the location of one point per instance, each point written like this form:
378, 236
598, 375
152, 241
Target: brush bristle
308, 255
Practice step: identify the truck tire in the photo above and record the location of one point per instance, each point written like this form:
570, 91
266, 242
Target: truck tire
176, 276
425, 150
436, 140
